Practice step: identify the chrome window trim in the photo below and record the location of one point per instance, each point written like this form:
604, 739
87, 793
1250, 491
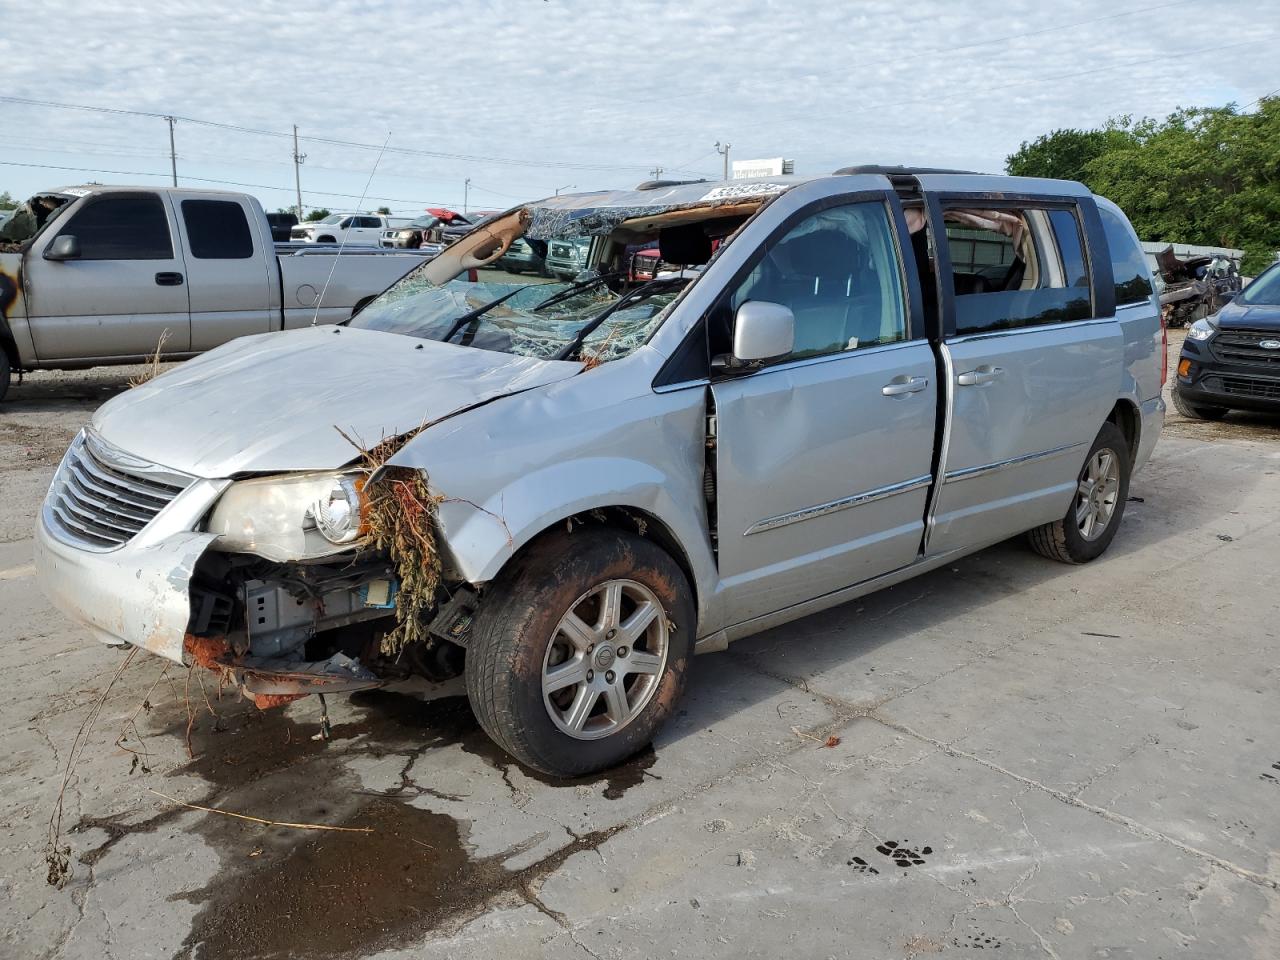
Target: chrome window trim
1031, 328
834, 506
969, 473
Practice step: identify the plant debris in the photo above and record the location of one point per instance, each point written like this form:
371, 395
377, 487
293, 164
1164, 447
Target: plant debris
269, 823
400, 517
153, 362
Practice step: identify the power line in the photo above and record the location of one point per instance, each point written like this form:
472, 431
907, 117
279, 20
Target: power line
233, 183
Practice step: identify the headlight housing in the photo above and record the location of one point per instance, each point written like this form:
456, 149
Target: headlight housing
293, 517
1202, 329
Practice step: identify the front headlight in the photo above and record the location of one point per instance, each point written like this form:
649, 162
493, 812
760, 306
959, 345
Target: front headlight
1201, 330
292, 517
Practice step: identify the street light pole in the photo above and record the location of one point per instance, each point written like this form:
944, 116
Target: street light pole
723, 150
466, 193
567, 186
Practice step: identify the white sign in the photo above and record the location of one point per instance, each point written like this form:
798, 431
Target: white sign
771, 167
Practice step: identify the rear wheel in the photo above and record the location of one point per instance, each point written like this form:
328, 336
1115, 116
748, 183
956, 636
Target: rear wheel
578, 655
1102, 488
1196, 411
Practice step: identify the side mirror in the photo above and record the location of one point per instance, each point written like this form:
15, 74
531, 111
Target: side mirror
763, 331
65, 247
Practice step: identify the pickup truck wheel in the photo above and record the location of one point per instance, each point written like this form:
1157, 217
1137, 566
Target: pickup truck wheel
6, 373
1195, 411
579, 651
1097, 507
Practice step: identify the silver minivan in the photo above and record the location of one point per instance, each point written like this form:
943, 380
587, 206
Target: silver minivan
564, 491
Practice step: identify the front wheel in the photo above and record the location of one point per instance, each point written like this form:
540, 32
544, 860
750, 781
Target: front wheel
1196, 411
1102, 488
579, 652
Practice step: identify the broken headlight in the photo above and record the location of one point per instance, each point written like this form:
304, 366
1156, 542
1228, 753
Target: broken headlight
292, 517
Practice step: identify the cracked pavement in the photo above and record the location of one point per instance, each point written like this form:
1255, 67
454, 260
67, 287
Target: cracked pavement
1052, 761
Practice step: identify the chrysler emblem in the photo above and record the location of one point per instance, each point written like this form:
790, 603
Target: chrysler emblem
1270, 344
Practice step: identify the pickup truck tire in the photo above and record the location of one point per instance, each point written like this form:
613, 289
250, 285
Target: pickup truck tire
1195, 411
589, 631
1096, 509
6, 373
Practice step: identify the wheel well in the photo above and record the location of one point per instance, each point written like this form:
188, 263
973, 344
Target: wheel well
1125, 416
630, 520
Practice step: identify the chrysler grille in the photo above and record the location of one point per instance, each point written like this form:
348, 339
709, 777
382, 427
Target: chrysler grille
101, 500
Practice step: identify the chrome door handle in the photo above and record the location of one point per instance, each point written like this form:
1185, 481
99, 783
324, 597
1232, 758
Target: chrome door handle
980, 376
900, 386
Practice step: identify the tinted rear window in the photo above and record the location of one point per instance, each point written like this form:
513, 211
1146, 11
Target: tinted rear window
217, 230
1128, 262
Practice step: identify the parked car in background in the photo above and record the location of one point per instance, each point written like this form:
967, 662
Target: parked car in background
615, 475
350, 229
110, 275
567, 258
644, 264
426, 229
1231, 360
522, 257
282, 225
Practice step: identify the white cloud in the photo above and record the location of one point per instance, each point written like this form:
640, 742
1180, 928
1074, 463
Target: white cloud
627, 86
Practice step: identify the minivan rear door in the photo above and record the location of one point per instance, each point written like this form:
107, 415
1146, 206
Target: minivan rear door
1032, 353
823, 456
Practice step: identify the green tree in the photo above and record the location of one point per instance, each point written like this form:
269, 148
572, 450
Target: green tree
385, 211
1202, 175
7, 202
315, 215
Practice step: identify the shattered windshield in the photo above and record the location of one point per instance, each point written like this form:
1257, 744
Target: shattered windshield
29, 219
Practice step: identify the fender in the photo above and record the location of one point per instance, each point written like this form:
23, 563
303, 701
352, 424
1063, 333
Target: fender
12, 309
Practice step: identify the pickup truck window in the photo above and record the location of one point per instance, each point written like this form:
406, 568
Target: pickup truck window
838, 271
1128, 262
1016, 267
217, 230
130, 226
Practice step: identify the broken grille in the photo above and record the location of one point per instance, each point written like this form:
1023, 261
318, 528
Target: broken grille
100, 502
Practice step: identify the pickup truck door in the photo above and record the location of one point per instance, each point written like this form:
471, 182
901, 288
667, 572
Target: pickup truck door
231, 268
1034, 357
823, 457
125, 291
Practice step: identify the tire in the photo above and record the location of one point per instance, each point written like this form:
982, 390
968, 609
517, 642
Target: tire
1069, 540
6, 373
1196, 411
517, 635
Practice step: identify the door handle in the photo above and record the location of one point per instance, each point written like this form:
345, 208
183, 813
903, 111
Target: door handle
901, 386
168, 279
983, 374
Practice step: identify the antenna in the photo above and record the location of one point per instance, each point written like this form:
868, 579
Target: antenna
359, 206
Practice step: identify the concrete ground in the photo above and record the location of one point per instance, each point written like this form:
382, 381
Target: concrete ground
1005, 754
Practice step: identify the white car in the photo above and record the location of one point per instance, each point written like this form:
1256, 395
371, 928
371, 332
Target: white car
362, 230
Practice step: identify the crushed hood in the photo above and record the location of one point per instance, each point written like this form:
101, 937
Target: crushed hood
274, 402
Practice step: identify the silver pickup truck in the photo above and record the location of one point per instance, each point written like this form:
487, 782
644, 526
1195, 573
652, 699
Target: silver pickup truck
100, 274
838, 383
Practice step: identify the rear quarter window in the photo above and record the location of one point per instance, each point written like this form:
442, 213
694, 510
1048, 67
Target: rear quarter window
217, 230
1128, 262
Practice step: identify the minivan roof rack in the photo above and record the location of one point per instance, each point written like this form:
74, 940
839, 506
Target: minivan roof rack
898, 171
659, 184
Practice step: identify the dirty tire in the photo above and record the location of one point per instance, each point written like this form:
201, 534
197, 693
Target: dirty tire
6, 373
519, 617
1195, 411
1062, 539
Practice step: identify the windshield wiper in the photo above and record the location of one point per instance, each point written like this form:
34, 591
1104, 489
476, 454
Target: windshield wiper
573, 288
642, 292
479, 312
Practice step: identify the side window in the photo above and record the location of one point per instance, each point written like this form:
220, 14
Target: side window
1016, 267
1128, 262
217, 230
347, 222
122, 227
838, 271
371, 222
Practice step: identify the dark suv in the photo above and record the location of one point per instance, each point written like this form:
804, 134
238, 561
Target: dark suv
1231, 360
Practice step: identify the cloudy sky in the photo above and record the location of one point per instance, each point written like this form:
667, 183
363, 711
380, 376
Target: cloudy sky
527, 96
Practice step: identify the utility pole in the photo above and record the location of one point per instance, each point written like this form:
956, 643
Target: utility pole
298, 158
656, 173
466, 193
723, 150
173, 154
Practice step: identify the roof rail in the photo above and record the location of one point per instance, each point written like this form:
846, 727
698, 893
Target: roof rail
898, 171
659, 184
